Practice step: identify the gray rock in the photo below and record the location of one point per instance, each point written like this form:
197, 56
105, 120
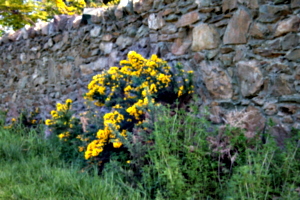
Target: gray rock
295, 3
95, 32
250, 77
172, 18
106, 47
86, 69
60, 22
101, 64
169, 29
155, 21
143, 31
140, 6
124, 42
205, 37
253, 4
271, 13
203, 3
270, 108
124, 5
289, 41
294, 55
290, 98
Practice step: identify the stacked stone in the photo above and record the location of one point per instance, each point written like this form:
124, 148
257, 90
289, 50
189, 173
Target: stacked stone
244, 53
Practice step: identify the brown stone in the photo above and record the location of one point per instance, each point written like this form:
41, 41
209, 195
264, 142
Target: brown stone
229, 5
58, 38
86, 69
269, 53
205, 37
198, 57
216, 113
289, 25
280, 134
281, 86
250, 76
250, 119
297, 74
237, 29
188, 19
216, 80
288, 120
259, 30
255, 121
180, 46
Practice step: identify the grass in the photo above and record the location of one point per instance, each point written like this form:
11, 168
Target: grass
187, 158
32, 169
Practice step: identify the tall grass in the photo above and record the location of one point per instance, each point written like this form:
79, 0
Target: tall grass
31, 168
177, 159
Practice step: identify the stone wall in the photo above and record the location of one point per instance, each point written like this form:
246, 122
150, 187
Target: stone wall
245, 54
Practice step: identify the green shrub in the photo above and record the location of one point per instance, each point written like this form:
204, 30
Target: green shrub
125, 92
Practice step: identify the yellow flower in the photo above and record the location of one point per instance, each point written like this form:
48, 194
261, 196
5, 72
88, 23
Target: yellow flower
180, 92
13, 119
117, 144
128, 161
49, 122
98, 104
69, 101
153, 88
117, 106
80, 149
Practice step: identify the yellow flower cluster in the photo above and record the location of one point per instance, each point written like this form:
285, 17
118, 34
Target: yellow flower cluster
155, 71
129, 88
106, 135
75, 7
136, 109
64, 135
59, 108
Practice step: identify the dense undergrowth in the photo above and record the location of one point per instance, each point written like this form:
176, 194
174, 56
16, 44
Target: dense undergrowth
146, 142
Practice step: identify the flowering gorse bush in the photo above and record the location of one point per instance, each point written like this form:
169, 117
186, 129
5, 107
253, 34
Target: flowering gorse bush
127, 91
65, 126
26, 119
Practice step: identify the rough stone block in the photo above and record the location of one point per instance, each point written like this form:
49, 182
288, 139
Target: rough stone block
237, 29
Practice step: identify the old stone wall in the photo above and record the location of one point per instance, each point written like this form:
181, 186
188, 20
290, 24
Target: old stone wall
245, 54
